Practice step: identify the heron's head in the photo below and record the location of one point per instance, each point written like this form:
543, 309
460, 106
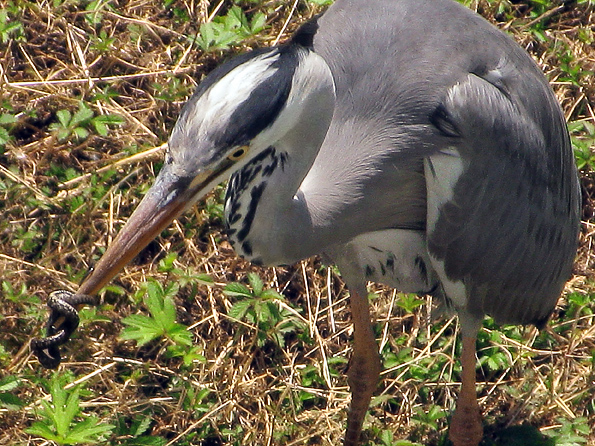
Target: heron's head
240, 109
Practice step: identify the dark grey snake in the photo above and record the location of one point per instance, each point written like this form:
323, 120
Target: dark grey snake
63, 305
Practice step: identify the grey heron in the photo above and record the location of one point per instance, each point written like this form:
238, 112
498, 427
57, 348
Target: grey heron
409, 142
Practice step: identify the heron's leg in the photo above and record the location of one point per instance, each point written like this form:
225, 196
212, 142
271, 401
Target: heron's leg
364, 367
465, 426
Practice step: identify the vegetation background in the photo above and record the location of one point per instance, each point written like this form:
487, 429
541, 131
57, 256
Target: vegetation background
191, 345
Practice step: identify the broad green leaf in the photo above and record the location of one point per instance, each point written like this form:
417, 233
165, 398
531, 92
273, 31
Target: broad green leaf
239, 309
258, 22
4, 136
82, 115
100, 128
180, 335
7, 118
256, 283
80, 132
271, 294
9, 383
64, 117
237, 289
88, 431
10, 401
40, 429
139, 427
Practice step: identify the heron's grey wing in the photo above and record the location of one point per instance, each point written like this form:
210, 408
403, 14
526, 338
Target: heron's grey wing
508, 228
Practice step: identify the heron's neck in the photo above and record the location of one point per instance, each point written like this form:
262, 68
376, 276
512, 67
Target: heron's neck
267, 216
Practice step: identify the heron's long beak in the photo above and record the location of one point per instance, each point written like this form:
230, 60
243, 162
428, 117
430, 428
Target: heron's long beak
166, 200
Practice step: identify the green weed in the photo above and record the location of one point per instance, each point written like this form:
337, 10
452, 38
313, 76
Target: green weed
81, 122
7, 122
409, 302
102, 43
10, 29
261, 308
428, 419
62, 421
571, 432
9, 400
387, 438
135, 431
230, 29
583, 141
162, 320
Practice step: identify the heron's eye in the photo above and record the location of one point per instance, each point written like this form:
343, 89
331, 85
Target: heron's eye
238, 154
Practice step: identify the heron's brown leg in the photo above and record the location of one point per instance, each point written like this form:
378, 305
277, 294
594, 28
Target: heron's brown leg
364, 367
465, 426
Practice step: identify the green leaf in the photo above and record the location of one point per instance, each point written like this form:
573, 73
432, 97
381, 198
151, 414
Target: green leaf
141, 426
154, 298
4, 136
263, 312
237, 289
100, 128
204, 279
237, 19
141, 329
180, 335
9, 383
7, 118
40, 429
82, 115
102, 123
88, 431
239, 309
271, 294
258, 22
80, 132
10, 401
64, 117
256, 283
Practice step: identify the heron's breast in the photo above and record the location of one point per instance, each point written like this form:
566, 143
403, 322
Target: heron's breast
394, 257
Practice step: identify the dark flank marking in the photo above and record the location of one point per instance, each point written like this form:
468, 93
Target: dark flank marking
235, 207
255, 195
283, 157
247, 248
230, 232
432, 290
373, 248
233, 214
257, 261
382, 269
368, 271
234, 218
419, 262
390, 262
268, 170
